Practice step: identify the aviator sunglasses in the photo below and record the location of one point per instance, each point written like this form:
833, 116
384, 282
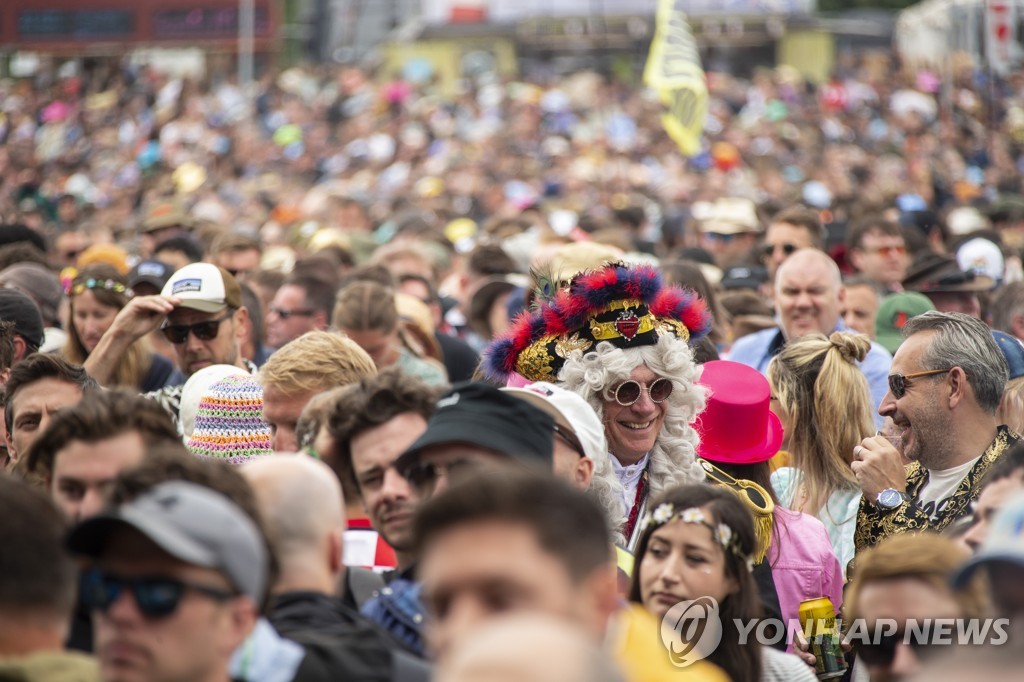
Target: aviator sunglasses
156, 597
629, 392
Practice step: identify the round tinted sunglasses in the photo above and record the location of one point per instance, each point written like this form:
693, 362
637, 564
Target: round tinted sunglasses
629, 392
898, 382
156, 597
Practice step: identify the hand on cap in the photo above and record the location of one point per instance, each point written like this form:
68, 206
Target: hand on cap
142, 315
878, 466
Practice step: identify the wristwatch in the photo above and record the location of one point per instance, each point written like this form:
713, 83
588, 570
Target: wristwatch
890, 499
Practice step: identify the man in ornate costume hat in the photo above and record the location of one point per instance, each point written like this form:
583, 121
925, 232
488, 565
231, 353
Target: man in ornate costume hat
618, 336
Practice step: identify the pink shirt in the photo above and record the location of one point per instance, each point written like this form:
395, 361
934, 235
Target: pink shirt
803, 564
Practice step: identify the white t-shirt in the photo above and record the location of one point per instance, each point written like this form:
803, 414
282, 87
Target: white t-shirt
942, 483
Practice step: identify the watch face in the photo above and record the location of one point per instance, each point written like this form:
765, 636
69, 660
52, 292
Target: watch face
889, 498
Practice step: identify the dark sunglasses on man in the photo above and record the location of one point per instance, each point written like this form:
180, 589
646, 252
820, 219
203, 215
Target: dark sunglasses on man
155, 596
423, 476
898, 383
768, 249
204, 331
880, 648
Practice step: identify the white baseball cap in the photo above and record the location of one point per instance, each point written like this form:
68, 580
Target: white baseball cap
570, 411
204, 287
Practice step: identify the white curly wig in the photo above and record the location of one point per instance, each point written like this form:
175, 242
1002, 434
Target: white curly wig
673, 460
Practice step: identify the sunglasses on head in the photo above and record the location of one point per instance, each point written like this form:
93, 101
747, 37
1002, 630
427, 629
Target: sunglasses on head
423, 475
156, 597
204, 331
881, 650
787, 249
898, 382
629, 392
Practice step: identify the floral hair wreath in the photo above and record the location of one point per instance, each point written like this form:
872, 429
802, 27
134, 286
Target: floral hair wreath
722, 533
92, 283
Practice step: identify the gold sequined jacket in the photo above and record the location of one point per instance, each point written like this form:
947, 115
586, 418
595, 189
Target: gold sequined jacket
874, 525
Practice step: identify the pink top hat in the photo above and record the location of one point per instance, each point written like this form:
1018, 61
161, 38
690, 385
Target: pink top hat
737, 427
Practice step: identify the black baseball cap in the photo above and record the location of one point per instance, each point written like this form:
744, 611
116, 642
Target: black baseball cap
480, 414
18, 308
744, 277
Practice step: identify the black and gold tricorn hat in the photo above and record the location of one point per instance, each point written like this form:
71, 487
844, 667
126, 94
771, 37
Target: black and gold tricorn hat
627, 306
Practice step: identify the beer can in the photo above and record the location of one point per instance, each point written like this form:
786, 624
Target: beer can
818, 619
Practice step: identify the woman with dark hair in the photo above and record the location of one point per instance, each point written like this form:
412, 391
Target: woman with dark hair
697, 542
95, 297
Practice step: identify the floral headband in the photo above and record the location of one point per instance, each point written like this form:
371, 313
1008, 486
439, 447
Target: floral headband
108, 284
666, 512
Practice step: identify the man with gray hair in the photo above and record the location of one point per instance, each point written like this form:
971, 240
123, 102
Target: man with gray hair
946, 382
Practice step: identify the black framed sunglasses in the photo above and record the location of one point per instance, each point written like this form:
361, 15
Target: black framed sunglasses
204, 331
423, 475
629, 392
881, 649
898, 382
768, 249
155, 596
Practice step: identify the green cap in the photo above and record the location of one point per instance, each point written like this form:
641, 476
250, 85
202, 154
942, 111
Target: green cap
893, 314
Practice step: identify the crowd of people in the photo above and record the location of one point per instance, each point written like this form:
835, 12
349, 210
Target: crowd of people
346, 377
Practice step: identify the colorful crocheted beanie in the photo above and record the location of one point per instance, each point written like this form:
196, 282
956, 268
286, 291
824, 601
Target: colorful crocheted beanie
229, 422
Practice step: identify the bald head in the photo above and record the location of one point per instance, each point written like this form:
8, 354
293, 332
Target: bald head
810, 258
527, 646
808, 294
302, 506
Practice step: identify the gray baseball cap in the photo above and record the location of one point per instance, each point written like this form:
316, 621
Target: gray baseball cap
192, 523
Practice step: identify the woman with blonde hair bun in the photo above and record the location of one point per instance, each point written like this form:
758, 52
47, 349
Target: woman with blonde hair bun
823, 400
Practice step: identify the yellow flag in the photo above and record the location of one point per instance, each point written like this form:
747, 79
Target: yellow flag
673, 69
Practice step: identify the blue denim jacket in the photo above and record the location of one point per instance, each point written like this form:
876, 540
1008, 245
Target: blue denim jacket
398, 609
